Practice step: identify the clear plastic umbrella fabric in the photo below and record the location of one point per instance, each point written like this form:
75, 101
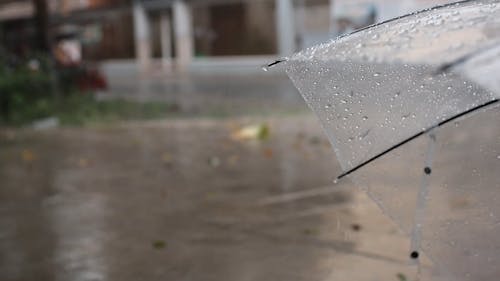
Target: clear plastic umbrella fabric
411, 109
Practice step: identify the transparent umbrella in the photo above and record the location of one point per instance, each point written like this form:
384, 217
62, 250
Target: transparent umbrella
411, 109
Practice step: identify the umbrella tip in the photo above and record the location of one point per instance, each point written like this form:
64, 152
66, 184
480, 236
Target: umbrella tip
278, 61
343, 175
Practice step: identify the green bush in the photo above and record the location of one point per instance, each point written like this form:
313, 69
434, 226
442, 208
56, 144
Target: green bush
28, 93
25, 90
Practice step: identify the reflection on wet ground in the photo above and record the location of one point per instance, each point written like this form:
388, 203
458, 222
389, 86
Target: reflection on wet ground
214, 95
183, 200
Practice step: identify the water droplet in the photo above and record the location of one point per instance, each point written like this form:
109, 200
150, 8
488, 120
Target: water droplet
450, 87
335, 181
364, 118
375, 36
265, 68
376, 74
438, 22
343, 101
328, 105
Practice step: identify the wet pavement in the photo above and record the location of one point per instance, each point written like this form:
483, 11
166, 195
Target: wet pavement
225, 94
185, 200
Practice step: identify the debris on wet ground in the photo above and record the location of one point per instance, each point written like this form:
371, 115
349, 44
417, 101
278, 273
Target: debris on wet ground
46, 123
214, 161
28, 156
315, 140
210, 195
167, 160
267, 152
356, 227
310, 231
401, 277
83, 162
159, 244
259, 209
251, 132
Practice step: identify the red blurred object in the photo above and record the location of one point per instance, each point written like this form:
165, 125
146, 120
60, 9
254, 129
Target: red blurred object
91, 79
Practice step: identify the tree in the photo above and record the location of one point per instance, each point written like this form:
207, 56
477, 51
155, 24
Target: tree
41, 20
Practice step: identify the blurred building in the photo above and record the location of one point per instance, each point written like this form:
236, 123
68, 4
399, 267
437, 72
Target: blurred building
103, 26
179, 34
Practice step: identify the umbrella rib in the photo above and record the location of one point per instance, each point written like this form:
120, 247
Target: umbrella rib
275, 63
416, 136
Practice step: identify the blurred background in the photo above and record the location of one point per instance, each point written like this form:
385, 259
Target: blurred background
142, 140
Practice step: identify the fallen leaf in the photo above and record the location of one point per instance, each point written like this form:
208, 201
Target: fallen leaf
401, 277
159, 244
310, 231
27, 156
252, 132
267, 152
314, 140
356, 227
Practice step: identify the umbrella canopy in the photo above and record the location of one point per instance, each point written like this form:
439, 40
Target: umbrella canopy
378, 90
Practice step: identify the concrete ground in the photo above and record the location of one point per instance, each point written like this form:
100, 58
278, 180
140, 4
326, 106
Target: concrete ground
185, 200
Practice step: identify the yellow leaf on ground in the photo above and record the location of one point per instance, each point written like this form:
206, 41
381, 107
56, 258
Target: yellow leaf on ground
252, 132
27, 155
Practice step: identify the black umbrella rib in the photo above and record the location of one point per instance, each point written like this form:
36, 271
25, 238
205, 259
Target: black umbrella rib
276, 62
416, 136
468, 111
